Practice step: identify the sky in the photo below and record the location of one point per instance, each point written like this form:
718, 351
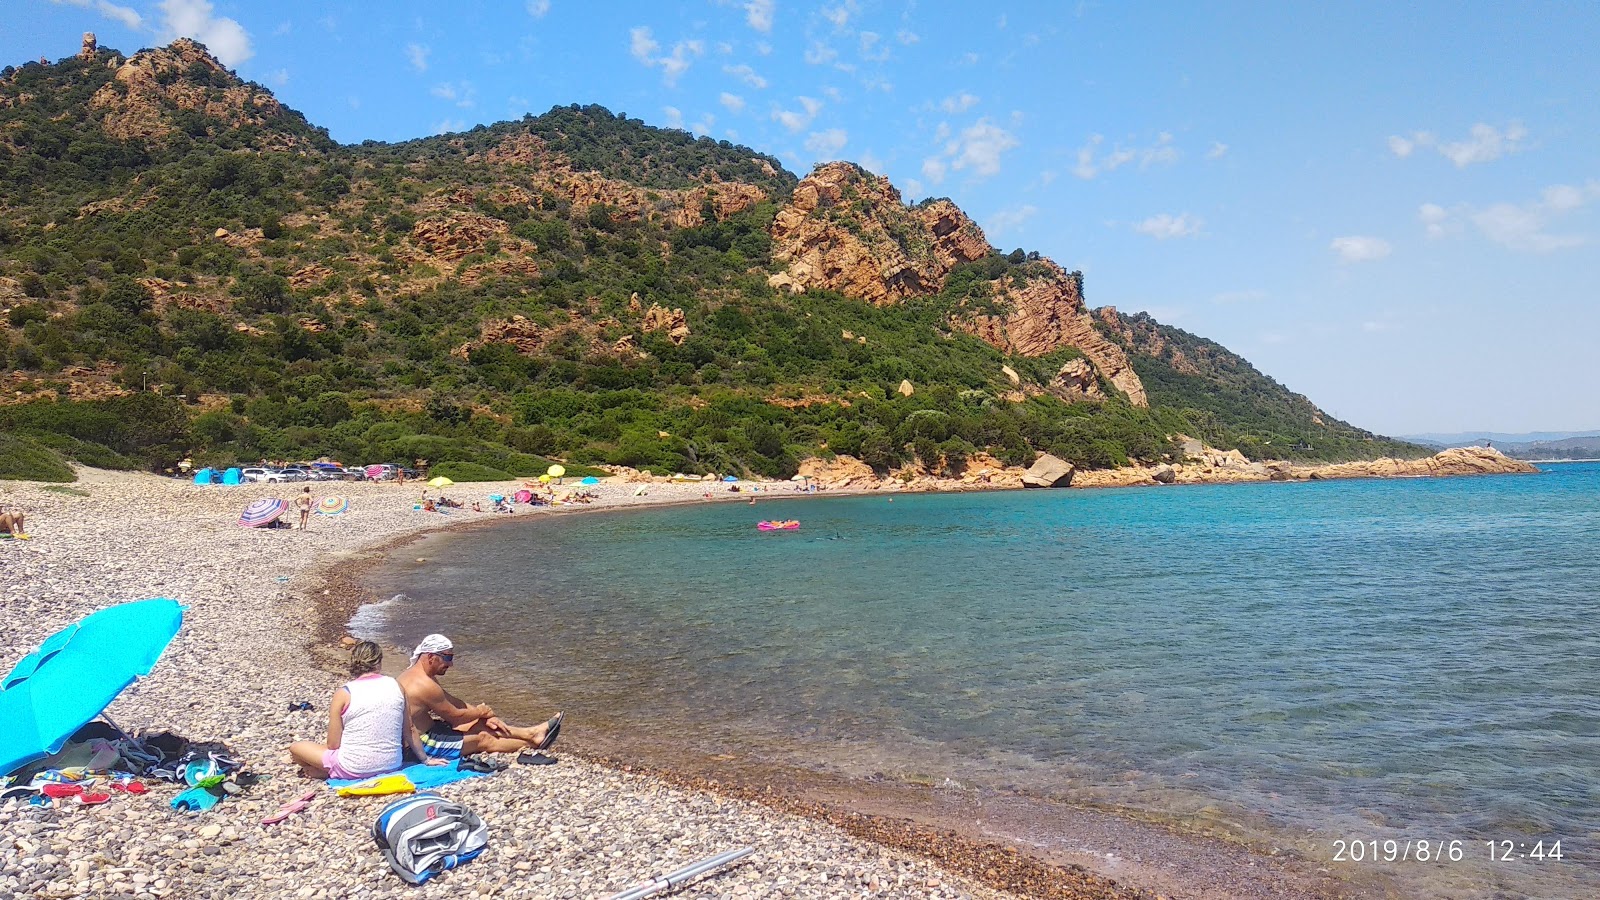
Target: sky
1393, 209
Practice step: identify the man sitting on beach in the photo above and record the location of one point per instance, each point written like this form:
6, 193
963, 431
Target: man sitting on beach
451, 727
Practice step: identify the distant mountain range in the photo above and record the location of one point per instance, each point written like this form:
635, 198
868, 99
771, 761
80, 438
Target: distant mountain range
1531, 445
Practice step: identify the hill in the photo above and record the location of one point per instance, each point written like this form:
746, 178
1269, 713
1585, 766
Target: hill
188, 267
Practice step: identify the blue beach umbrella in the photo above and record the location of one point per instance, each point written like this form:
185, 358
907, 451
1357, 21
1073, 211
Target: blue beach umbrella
730, 478
76, 673
590, 480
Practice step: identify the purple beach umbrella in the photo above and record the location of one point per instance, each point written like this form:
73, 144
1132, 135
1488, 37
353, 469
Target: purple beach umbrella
262, 511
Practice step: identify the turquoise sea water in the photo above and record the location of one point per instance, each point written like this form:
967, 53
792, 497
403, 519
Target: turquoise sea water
1357, 659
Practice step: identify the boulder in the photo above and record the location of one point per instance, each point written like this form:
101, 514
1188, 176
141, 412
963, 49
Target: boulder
1048, 471
1164, 474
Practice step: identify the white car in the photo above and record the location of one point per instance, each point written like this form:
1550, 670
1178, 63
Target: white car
255, 473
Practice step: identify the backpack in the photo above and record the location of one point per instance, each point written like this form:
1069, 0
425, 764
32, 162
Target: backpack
425, 834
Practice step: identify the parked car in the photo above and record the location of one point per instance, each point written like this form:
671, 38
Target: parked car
354, 473
255, 473
292, 473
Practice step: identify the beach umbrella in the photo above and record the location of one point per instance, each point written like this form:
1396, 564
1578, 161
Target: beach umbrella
590, 480
439, 481
332, 505
76, 673
556, 471
544, 479
262, 511
523, 496
730, 478
373, 472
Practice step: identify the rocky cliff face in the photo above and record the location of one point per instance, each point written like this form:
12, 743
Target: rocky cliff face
545, 171
846, 230
150, 86
1047, 313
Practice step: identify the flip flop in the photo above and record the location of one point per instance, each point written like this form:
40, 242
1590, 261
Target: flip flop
129, 787
59, 790
290, 808
552, 731
93, 799
535, 759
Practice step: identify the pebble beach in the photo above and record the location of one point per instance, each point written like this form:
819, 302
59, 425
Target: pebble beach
261, 631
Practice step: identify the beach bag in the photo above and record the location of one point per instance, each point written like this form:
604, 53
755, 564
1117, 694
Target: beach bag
425, 834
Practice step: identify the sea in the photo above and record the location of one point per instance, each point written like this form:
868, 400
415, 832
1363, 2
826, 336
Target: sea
1306, 667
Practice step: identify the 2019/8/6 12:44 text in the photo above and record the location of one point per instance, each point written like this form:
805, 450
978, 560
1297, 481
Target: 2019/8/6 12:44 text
1443, 851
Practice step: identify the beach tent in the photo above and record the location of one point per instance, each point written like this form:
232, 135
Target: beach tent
203, 476
731, 478
232, 476
590, 480
76, 673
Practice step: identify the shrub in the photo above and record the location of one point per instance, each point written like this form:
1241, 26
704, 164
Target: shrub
466, 471
24, 459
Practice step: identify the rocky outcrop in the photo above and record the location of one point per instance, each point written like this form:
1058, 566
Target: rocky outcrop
839, 472
1077, 382
1455, 461
1047, 472
1047, 313
659, 318
847, 230
91, 46
138, 102
453, 236
550, 173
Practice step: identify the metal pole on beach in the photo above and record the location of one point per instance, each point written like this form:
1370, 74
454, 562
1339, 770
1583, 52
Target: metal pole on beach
675, 879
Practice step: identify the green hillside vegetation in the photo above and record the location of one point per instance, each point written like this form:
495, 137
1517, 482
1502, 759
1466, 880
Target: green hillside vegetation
239, 354
1231, 404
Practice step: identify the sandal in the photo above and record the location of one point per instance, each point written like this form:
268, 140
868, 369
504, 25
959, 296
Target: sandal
290, 808
60, 790
93, 799
129, 787
552, 729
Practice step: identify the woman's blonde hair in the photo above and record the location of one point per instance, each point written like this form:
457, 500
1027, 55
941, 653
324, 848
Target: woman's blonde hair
365, 657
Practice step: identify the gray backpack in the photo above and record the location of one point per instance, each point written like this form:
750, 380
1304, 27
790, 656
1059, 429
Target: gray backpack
425, 834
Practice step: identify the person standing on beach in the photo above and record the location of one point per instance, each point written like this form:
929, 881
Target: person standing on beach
303, 503
451, 727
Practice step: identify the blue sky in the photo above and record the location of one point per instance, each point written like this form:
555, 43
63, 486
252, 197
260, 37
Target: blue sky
1391, 208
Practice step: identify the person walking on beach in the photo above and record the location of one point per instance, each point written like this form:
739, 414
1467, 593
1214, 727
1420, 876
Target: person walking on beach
451, 727
303, 503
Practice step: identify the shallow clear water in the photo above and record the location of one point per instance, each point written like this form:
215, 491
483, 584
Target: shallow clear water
1357, 659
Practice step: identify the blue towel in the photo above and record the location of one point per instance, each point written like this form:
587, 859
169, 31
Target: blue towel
424, 776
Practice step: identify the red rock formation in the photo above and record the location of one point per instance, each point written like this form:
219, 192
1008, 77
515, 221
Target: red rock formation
136, 103
846, 230
1047, 313
658, 318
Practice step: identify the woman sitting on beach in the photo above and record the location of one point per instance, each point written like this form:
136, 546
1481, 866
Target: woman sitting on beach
367, 725
11, 522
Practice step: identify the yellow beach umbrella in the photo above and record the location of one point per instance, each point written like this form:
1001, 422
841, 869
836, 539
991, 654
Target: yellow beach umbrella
544, 479
439, 481
556, 471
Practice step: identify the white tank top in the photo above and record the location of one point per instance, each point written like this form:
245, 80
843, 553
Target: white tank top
373, 724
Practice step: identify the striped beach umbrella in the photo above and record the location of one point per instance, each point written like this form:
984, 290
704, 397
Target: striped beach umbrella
332, 505
262, 511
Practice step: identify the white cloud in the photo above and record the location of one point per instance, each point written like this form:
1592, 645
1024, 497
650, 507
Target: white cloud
1166, 225
826, 143
1162, 152
1484, 143
958, 103
674, 116
913, 188
537, 8
907, 37
933, 169
643, 46
870, 161
1524, 227
1359, 248
869, 46
446, 126
278, 78
758, 14
704, 125
733, 102
463, 94
747, 75
839, 15
797, 121
1218, 150
763, 48
226, 39
1009, 219
978, 148
128, 17
418, 56
819, 53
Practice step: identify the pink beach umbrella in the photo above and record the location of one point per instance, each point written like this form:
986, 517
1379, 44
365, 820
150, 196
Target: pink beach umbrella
263, 511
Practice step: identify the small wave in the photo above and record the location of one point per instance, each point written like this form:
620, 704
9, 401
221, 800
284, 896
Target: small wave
370, 619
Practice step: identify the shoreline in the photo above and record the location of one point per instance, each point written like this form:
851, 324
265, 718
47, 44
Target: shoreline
262, 607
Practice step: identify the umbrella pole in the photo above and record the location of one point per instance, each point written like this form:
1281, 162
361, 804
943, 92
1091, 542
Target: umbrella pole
115, 727
676, 879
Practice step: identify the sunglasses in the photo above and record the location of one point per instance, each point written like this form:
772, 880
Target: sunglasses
447, 657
